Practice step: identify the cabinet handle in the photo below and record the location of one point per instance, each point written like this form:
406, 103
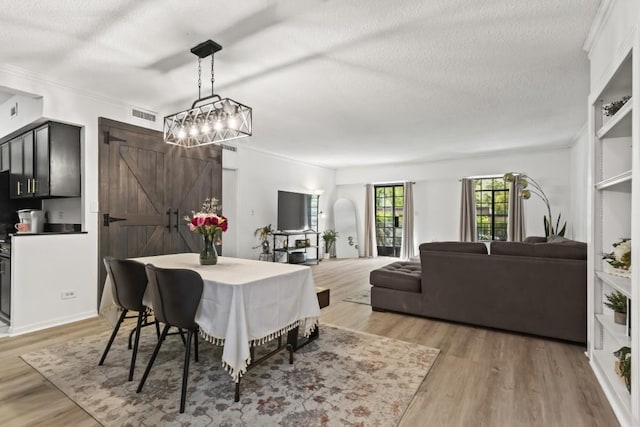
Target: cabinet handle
28, 185
19, 188
177, 212
35, 186
169, 220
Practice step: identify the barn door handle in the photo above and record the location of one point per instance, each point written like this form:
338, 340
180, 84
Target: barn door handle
107, 219
177, 212
169, 220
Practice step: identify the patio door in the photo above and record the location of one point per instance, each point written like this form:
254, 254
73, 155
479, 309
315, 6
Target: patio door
389, 218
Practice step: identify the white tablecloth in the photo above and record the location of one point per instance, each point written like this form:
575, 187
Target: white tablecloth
244, 302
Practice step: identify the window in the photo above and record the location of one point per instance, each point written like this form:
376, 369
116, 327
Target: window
313, 211
389, 218
492, 208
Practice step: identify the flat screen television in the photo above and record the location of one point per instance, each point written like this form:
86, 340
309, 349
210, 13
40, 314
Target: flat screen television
294, 211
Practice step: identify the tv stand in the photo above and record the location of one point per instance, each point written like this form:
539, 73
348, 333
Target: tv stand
305, 245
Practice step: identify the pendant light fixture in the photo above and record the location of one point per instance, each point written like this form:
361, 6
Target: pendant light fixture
221, 119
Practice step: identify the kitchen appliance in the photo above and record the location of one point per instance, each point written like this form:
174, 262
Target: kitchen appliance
24, 215
5, 281
35, 219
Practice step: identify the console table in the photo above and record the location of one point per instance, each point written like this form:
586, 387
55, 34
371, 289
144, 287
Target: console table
289, 247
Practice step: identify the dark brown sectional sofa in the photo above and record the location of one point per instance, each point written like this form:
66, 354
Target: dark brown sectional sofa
534, 288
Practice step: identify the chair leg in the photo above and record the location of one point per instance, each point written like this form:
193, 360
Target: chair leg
113, 336
185, 372
135, 345
196, 344
157, 327
131, 338
182, 336
153, 358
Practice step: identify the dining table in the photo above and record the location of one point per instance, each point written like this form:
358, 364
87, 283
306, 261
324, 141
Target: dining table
244, 303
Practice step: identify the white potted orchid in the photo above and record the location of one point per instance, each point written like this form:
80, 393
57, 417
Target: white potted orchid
619, 261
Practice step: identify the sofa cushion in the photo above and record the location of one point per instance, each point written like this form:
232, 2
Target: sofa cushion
465, 247
535, 239
402, 275
573, 250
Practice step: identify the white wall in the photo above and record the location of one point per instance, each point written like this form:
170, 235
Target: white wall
29, 109
579, 186
64, 104
55, 264
260, 176
437, 189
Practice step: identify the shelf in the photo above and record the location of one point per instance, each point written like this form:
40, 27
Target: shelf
622, 284
294, 249
605, 363
619, 125
617, 332
621, 182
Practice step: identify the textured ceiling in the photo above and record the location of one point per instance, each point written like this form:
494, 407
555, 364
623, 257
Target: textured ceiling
335, 83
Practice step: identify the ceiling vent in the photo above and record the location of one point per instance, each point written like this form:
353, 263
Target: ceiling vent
144, 115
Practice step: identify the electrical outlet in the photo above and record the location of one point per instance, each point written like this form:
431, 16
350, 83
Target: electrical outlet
68, 294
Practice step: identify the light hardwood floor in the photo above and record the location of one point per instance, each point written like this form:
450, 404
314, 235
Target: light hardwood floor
481, 378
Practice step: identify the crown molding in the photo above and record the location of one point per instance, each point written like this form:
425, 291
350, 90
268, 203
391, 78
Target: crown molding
39, 79
602, 16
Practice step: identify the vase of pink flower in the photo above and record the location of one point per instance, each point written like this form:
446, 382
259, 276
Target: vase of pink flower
210, 223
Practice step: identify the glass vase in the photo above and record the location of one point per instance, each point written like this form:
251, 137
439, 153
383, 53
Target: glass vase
209, 255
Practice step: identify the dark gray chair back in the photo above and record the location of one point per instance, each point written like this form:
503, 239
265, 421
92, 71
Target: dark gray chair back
175, 295
129, 282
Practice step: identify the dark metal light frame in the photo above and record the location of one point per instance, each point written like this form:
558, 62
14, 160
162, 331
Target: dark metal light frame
222, 119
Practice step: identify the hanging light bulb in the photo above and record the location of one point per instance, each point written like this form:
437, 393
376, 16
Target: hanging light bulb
217, 125
193, 131
182, 133
233, 122
205, 128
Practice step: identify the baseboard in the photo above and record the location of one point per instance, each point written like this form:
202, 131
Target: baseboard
51, 323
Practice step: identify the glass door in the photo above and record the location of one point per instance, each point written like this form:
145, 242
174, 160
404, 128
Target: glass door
389, 218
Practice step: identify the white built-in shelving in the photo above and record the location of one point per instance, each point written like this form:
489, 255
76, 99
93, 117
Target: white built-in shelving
615, 158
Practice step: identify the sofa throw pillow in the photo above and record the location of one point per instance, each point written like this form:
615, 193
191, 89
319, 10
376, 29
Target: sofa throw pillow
554, 238
464, 247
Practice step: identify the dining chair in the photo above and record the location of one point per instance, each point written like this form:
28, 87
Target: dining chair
129, 281
175, 296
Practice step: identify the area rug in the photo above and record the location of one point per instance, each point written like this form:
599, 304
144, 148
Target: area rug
343, 378
360, 297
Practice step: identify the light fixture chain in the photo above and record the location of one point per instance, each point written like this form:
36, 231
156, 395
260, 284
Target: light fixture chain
199, 76
212, 78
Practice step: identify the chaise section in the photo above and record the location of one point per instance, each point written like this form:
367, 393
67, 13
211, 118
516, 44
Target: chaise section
396, 287
401, 275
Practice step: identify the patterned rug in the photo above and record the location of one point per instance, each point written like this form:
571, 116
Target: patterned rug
361, 297
343, 378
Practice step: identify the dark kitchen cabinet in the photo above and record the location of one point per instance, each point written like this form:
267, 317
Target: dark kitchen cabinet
46, 162
4, 157
21, 165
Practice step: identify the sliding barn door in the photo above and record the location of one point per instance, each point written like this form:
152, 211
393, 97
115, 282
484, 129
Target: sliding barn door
195, 174
146, 188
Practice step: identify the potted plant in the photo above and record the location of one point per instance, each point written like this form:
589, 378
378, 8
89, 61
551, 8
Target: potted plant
329, 237
617, 302
623, 365
263, 233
